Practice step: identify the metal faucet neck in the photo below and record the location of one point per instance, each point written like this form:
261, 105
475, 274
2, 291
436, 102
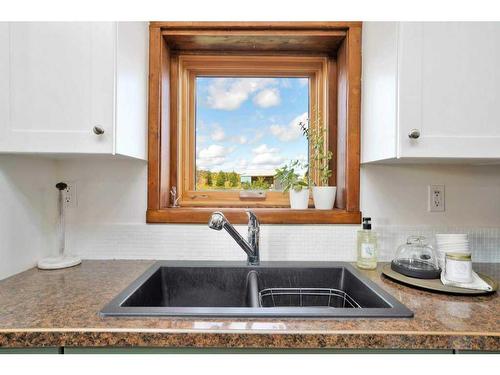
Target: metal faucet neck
253, 237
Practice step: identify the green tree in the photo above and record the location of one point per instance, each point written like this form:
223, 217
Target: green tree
208, 178
220, 180
233, 178
260, 184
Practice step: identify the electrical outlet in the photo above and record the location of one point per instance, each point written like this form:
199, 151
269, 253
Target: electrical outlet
69, 197
436, 198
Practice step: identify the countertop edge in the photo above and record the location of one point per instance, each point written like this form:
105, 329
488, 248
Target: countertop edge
224, 339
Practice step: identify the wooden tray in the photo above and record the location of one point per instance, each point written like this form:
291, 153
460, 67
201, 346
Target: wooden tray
436, 285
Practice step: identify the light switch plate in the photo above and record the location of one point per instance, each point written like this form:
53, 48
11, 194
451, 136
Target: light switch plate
436, 198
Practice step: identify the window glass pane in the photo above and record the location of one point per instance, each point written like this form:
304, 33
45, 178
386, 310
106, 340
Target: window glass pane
246, 127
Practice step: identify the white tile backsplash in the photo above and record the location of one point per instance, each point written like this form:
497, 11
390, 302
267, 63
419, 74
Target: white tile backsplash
109, 220
485, 242
278, 242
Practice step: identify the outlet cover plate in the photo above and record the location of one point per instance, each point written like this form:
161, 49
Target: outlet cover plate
69, 197
436, 198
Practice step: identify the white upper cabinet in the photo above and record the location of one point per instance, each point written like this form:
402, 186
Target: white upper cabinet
61, 80
431, 90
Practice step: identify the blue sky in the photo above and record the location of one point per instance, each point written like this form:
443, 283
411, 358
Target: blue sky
250, 124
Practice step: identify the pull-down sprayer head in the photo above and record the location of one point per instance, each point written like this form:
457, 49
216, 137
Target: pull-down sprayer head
251, 247
217, 221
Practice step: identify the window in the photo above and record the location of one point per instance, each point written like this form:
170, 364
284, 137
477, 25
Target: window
226, 101
246, 128
231, 125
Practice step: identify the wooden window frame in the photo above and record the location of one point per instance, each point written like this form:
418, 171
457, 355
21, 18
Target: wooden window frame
192, 66
181, 50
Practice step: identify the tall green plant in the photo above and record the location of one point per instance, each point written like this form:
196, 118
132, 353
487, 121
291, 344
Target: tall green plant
320, 156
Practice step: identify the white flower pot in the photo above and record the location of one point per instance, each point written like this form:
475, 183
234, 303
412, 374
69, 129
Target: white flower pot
324, 197
299, 199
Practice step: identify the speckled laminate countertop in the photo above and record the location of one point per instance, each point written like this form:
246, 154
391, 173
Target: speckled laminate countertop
61, 308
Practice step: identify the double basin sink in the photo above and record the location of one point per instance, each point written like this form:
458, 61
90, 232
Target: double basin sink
271, 289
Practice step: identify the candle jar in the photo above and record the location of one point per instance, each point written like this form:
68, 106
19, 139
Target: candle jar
458, 267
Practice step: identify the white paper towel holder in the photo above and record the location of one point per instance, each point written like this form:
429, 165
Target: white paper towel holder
62, 260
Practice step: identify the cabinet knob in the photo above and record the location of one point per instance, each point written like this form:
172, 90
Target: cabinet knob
98, 130
414, 134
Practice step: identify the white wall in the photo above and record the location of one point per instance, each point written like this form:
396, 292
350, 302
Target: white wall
109, 221
28, 211
397, 194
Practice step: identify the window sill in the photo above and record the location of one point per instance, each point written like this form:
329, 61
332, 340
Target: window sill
198, 215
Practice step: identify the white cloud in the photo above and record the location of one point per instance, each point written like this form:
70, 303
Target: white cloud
264, 149
242, 164
212, 151
267, 98
217, 134
266, 158
291, 131
241, 139
215, 158
238, 165
212, 157
229, 93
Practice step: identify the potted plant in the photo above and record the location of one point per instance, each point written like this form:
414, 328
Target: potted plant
297, 186
319, 163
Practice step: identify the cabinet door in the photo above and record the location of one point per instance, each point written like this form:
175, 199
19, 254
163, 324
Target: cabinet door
61, 86
449, 81
4, 79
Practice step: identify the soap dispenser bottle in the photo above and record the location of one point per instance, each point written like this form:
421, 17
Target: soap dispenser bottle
367, 246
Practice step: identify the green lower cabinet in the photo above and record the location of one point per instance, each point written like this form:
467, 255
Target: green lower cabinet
132, 350
31, 350
475, 352
142, 350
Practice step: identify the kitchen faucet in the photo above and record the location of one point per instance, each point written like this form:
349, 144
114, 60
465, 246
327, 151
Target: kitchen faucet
251, 247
